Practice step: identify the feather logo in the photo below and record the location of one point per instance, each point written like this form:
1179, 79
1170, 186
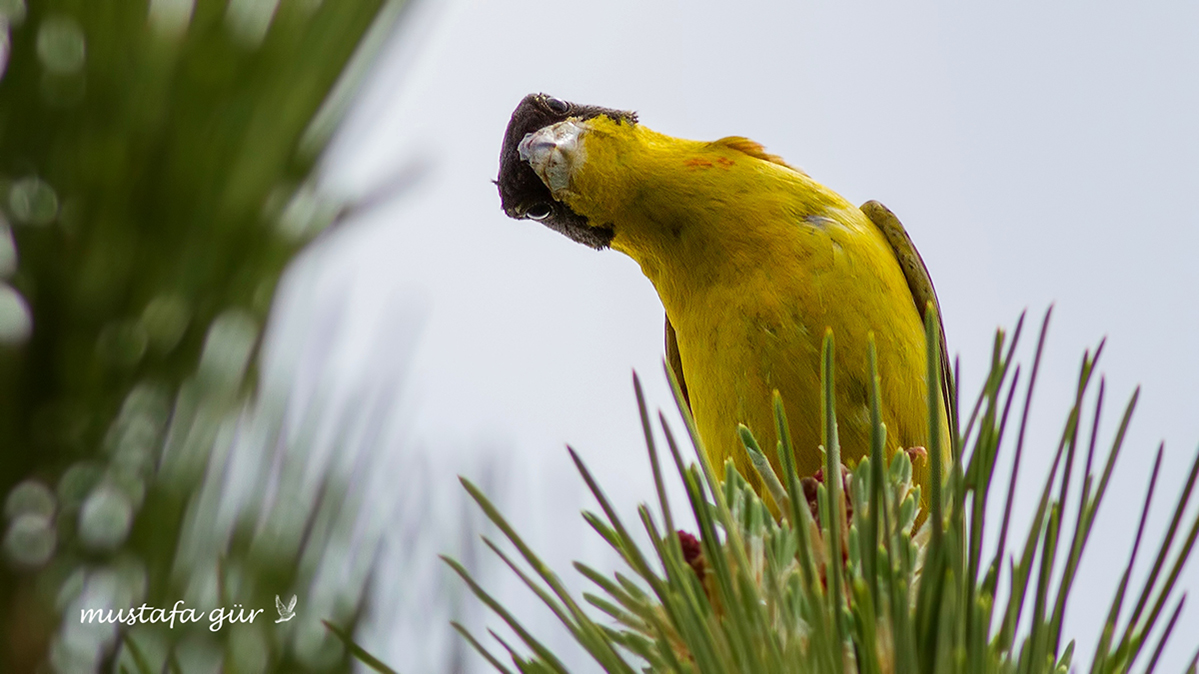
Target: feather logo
285, 612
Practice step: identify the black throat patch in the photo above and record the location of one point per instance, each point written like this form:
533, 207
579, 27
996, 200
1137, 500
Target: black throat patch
522, 194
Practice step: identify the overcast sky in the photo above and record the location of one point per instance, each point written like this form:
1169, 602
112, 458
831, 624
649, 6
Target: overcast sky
1036, 155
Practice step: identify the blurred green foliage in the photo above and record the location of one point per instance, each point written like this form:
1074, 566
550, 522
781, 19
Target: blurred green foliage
155, 179
141, 157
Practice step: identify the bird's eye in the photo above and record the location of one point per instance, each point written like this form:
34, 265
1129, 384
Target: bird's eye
557, 104
539, 211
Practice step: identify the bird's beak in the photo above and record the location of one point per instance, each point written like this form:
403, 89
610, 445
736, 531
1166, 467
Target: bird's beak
554, 153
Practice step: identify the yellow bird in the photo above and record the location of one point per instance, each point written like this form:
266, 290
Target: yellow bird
753, 261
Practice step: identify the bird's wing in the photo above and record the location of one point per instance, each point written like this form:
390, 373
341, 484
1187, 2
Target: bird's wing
921, 286
279, 605
675, 361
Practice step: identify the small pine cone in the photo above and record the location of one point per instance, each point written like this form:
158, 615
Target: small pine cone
693, 554
809, 485
809, 488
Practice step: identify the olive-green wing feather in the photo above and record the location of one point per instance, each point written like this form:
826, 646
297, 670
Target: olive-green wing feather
921, 286
675, 360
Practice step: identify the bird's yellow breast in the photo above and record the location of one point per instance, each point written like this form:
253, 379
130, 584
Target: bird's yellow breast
753, 260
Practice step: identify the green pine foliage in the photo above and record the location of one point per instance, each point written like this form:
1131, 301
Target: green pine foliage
843, 581
156, 175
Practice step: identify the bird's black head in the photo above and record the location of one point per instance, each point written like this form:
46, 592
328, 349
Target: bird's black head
522, 194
